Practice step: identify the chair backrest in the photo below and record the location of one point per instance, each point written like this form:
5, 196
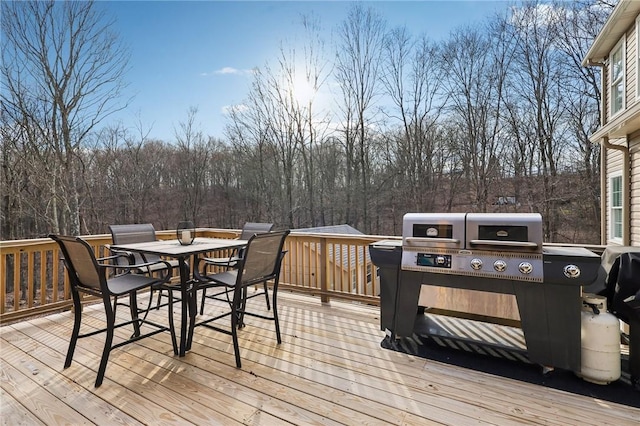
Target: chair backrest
134, 233
262, 257
251, 228
80, 261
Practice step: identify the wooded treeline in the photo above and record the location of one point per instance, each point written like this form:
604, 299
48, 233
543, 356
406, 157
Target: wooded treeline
494, 118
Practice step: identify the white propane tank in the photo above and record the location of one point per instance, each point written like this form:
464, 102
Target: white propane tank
600, 341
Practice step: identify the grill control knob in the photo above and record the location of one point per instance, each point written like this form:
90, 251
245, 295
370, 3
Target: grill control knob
525, 268
500, 265
440, 260
571, 271
476, 264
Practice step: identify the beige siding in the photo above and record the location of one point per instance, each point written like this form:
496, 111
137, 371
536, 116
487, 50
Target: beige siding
630, 76
635, 191
630, 67
606, 92
614, 167
614, 158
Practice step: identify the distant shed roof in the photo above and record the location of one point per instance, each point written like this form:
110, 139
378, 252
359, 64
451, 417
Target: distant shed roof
333, 229
340, 253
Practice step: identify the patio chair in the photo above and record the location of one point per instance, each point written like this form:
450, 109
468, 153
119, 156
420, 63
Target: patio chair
142, 233
248, 230
89, 275
260, 264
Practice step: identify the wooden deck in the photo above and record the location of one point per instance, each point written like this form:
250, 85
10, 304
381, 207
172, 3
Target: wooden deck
330, 369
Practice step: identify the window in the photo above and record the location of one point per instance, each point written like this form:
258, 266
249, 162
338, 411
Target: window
616, 208
616, 61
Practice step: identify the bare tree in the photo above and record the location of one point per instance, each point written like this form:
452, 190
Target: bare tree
18, 196
62, 70
540, 79
496, 110
312, 122
412, 80
192, 164
125, 176
278, 130
358, 67
273, 104
331, 178
476, 67
247, 132
577, 26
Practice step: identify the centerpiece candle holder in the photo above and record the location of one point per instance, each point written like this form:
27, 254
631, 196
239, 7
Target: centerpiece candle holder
186, 232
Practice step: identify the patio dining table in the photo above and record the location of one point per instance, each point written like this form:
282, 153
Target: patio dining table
173, 249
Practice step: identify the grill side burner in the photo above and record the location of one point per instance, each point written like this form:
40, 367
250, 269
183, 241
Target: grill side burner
548, 293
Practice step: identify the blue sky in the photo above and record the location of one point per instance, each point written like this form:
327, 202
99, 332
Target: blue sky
195, 53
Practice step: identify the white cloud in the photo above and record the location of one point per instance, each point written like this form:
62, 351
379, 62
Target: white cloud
227, 71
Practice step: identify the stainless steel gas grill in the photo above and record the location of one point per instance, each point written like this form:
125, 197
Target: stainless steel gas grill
504, 246
496, 253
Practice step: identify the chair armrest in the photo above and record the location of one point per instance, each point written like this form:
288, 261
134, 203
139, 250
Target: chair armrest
196, 272
120, 270
133, 266
118, 254
235, 256
145, 263
221, 261
142, 265
201, 275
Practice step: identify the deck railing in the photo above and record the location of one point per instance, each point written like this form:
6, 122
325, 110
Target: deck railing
33, 280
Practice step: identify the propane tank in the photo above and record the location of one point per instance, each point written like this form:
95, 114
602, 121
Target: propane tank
600, 341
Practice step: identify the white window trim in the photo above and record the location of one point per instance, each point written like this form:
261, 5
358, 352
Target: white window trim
638, 57
622, 46
610, 231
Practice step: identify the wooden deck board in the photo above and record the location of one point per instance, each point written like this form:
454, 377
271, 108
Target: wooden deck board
362, 358
352, 379
330, 369
14, 413
45, 374
153, 382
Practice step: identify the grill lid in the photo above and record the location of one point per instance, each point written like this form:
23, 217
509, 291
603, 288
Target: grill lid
506, 231
433, 230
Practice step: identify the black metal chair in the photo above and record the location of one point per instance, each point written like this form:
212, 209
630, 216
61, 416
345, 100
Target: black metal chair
260, 264
88, 274
142, 233
248, 230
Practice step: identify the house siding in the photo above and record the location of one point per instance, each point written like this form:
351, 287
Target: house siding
634, 153
614, 158
630, 67
615, 161
623, 129
606, 96
630, 76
